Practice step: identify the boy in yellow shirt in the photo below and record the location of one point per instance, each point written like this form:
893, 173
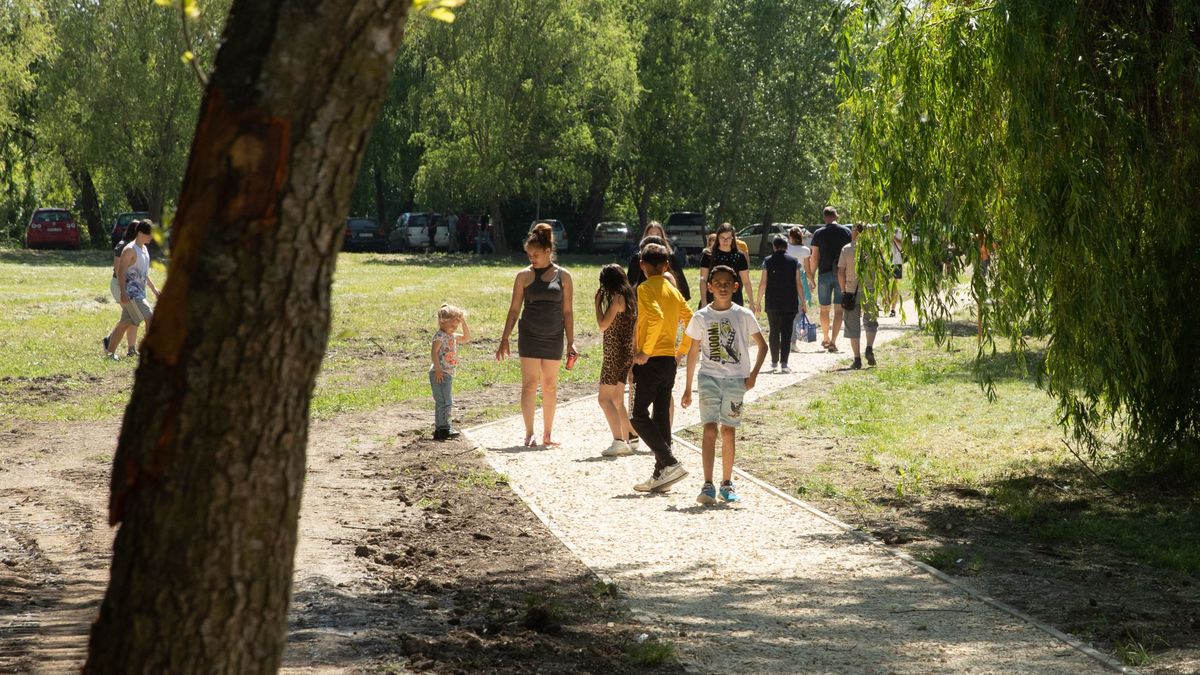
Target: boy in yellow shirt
661, 308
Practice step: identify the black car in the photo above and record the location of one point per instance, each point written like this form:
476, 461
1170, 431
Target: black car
364, 234
117, 233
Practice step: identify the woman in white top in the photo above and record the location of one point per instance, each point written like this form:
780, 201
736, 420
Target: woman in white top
799, 251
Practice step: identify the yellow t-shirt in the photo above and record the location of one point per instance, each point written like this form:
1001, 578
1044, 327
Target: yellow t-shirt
661, 308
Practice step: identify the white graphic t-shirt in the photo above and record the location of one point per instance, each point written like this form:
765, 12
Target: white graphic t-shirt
724, 339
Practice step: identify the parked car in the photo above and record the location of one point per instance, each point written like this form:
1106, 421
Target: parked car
411, 231
753, 234
687, 231
52, 228
121, 222
609, 236
363, 234
560, 233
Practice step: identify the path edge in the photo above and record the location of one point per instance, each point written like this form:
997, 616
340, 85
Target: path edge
1071, 641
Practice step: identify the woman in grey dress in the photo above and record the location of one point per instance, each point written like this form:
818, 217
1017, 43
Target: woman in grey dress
542, 298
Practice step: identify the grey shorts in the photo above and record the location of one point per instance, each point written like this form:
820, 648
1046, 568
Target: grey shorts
115, 289
136, 311
852, 321
721, 399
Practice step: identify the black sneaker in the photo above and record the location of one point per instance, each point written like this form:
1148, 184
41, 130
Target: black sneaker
870, 354
104, 341
453, 433
857, 365
441, 434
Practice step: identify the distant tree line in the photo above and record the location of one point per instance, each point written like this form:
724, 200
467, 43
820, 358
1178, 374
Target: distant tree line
632, 110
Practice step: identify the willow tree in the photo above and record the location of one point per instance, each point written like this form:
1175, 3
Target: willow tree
1066, 137
209, 467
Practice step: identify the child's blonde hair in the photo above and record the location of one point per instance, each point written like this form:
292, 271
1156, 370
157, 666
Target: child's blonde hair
447, 312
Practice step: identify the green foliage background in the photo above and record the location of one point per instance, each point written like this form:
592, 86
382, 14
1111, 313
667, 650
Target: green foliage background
1066, 137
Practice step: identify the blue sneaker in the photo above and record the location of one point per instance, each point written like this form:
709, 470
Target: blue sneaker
708, 495
728, 494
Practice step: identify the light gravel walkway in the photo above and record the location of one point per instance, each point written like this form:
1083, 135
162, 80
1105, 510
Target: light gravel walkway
765, 586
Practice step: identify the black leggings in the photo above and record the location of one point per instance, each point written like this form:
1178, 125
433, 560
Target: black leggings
779, 337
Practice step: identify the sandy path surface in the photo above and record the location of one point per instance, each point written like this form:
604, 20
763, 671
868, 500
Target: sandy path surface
764, 586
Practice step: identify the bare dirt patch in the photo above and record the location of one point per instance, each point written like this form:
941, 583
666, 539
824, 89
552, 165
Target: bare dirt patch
413, 556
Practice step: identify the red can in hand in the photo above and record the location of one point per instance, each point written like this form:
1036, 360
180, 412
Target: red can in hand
571, 359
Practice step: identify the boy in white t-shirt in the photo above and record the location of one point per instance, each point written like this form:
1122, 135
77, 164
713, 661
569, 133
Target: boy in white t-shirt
721, 332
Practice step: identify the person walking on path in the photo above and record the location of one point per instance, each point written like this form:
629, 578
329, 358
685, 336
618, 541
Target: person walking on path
721, 332
133, 273
114, 287
654, 233
542, 297
661, 309
802, 253
616, 315
859, 313
894, 298
781, 295
726, 252
827, 244
444, 357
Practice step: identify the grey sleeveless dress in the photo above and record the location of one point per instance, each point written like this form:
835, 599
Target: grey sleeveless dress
540, 331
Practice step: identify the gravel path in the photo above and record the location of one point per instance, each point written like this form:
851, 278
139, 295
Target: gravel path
765, 586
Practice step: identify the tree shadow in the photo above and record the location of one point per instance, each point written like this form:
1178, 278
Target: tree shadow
1113, 568
50, 258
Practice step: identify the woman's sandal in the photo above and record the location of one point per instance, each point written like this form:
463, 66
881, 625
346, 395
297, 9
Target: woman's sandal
549, 443
529, 442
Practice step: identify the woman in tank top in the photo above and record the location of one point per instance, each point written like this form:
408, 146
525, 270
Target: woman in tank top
542, 299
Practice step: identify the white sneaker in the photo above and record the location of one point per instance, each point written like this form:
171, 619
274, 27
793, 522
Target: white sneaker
662, 480
618, 449
785, 370
774, 368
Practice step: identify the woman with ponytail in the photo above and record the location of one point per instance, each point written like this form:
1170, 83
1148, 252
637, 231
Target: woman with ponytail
541, 298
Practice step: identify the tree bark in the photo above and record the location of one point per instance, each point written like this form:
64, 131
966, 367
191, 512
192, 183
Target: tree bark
209, 467
380, 201
91, 205
499, 240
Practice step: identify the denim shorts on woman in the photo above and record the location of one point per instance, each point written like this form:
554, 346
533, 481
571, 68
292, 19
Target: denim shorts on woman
721, 400
828, 291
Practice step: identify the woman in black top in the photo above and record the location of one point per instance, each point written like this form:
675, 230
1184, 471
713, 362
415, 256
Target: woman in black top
784, 293
654, 234
726, 252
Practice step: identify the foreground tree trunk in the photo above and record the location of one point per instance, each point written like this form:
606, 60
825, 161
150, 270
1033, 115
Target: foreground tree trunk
210, 464
90, 203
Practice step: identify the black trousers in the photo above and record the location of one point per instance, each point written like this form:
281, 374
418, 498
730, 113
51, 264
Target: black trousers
779, 337
652, 384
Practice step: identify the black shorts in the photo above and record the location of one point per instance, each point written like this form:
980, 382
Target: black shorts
898, 271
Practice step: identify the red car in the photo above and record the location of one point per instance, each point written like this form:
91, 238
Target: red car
52, 228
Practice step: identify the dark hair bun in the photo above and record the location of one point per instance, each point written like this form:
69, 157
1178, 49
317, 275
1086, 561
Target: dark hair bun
542, 235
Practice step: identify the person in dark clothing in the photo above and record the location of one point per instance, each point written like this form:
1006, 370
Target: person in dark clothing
827, 244
654, 234
726, 252
780, 294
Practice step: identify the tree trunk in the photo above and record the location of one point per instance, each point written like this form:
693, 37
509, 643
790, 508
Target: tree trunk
209, 467
593, 209
499, 240
138, 201
90, 205
380, 202
643, 207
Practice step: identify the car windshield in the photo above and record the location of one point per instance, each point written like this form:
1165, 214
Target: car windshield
613, 228
419, 220
360, 224
52, 217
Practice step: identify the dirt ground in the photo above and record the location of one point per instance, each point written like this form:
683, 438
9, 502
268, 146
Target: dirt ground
414, 556
1148, 616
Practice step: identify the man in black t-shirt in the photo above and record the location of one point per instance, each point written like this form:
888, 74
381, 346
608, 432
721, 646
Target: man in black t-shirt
826, 246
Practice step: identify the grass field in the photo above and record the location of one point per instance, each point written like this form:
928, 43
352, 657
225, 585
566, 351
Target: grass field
58, 307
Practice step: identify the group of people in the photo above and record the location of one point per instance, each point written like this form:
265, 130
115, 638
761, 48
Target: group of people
640, 312
130, 279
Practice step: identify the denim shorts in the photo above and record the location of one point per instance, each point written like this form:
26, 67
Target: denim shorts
721, 400
828, 291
